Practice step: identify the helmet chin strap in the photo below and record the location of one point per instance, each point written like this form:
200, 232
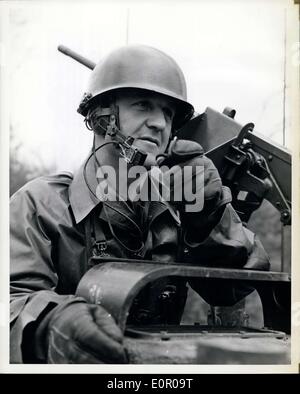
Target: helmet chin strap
110, 116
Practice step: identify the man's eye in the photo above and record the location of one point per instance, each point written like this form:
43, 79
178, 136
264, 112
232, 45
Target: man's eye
169, 113
141, 105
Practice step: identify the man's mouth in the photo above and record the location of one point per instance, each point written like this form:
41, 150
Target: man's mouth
149, 139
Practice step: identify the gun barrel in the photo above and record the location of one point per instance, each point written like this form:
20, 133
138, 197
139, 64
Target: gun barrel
80, 59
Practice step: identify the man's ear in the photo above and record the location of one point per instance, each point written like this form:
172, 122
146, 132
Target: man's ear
98, 120
98, 116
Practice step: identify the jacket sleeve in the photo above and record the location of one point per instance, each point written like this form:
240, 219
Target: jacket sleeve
230, 245
32, 272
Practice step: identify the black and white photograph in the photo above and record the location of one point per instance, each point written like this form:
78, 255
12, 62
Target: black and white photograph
149, 173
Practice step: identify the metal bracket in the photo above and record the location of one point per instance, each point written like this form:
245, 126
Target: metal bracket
117, 283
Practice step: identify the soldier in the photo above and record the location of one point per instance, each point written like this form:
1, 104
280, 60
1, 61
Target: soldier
59, 222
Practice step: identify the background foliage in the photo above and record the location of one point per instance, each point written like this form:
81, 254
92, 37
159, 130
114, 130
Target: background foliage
20, 169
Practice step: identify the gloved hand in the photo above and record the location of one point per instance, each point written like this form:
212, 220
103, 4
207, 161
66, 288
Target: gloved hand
202, 175
204, 183
81, 333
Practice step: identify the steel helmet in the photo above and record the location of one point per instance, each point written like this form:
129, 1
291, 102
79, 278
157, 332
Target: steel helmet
141, 67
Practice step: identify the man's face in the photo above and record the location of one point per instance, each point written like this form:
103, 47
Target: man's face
147, 117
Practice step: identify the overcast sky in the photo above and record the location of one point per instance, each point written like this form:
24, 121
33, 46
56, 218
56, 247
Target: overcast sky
232, 54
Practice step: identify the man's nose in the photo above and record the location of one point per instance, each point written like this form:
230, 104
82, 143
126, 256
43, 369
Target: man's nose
156, 119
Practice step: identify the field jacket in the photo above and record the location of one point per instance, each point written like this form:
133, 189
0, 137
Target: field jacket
51, 221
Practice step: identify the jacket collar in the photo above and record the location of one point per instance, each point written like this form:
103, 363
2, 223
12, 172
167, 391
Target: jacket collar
81, 199
82, 202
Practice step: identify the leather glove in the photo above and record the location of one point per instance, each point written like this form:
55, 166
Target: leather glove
203, 177
205, 183
81, 333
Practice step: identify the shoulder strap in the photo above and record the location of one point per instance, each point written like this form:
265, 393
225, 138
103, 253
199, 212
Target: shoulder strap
95, 237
